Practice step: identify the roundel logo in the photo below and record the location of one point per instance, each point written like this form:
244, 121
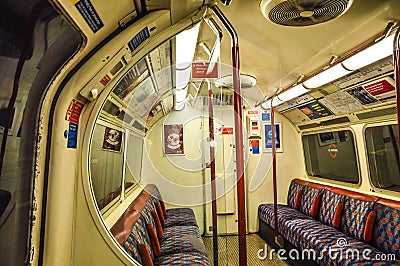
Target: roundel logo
332, 150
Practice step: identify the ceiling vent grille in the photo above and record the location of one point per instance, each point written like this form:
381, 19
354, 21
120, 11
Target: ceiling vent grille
303, 12
308, 126
377, 113
335, 121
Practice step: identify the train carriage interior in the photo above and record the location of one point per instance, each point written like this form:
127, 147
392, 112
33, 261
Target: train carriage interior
200, 132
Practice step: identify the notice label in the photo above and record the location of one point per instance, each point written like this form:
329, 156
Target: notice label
266, 116
199, 71
254, 146
72, 135
89, 14
138, 39
225, 131
74, 111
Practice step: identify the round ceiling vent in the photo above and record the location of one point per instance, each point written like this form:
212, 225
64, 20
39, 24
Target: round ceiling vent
303, 12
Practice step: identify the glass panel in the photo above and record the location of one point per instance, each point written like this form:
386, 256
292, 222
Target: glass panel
382, 143
331, 155
52, 43
106, 162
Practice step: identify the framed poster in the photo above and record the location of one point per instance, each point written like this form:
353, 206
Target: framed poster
268, 137
173, 139
112, 139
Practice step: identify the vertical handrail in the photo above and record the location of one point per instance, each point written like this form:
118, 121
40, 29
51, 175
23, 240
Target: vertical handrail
238, 135
274, 172
212, 165
396, 64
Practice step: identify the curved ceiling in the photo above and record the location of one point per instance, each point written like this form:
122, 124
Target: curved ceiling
277, 55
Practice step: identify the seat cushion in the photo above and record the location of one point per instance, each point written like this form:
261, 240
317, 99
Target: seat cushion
309, 198
180, 216
138, 235
188, 258
293, 191
328, 207
387, 229
266, 214
331, 246
180, 239
354, 217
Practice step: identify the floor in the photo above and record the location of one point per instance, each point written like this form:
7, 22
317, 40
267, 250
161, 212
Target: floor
228, 251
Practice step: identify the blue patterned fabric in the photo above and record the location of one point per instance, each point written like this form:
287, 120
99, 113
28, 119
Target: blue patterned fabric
138, 235
266, 214
192, 258
293, 190
387, 229
180, 216
178, 231
329, 203
181, 244
354, 216
331, 246
307, 199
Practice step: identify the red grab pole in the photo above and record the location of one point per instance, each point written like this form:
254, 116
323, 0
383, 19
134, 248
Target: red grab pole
212, 165
396, 63
238, 135
274, 171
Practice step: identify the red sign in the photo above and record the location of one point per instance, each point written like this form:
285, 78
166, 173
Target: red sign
74, 111
380, 87
199, 71
225, 130
252, 112
105, 80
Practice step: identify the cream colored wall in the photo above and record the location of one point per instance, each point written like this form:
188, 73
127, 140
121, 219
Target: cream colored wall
178, 186
290, 164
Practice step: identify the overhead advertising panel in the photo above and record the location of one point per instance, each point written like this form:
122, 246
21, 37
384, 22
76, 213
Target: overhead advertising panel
341, 102
315, 110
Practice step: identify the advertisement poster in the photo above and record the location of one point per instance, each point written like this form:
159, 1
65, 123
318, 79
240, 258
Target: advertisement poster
112, 139
315, 110
362, 95
382, 89
173, 139
268, 137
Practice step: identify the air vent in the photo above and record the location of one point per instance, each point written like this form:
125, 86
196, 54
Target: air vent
308, 126
303, 12
377, 113
335, 121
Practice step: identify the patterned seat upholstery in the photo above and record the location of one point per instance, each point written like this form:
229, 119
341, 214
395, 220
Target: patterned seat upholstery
192, 258
180, 216
266, 214
349, 228
138, 232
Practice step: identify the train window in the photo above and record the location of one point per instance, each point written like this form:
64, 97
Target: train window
106, 164
331, 155
383, 156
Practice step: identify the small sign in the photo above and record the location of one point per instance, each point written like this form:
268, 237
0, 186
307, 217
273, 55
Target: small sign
225, 130
254, 146
72, 135
252, 112
74, 111
266, 117
332, 150
89, 14
105, 80
138, 39
199, 71
173, 139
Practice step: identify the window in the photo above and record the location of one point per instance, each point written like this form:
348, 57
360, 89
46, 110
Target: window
331, 155
383, 157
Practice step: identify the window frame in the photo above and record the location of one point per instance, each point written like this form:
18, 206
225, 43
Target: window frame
373, 187
332, 181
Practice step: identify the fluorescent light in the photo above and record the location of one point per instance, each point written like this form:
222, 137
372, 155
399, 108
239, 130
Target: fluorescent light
185, 48
370, 55
292, 93
326, 76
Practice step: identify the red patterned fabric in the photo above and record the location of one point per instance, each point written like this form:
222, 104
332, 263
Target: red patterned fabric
160, 214
158, 225
145, 256
155, 244
315, 206
337, 219
369, 227
298, 199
